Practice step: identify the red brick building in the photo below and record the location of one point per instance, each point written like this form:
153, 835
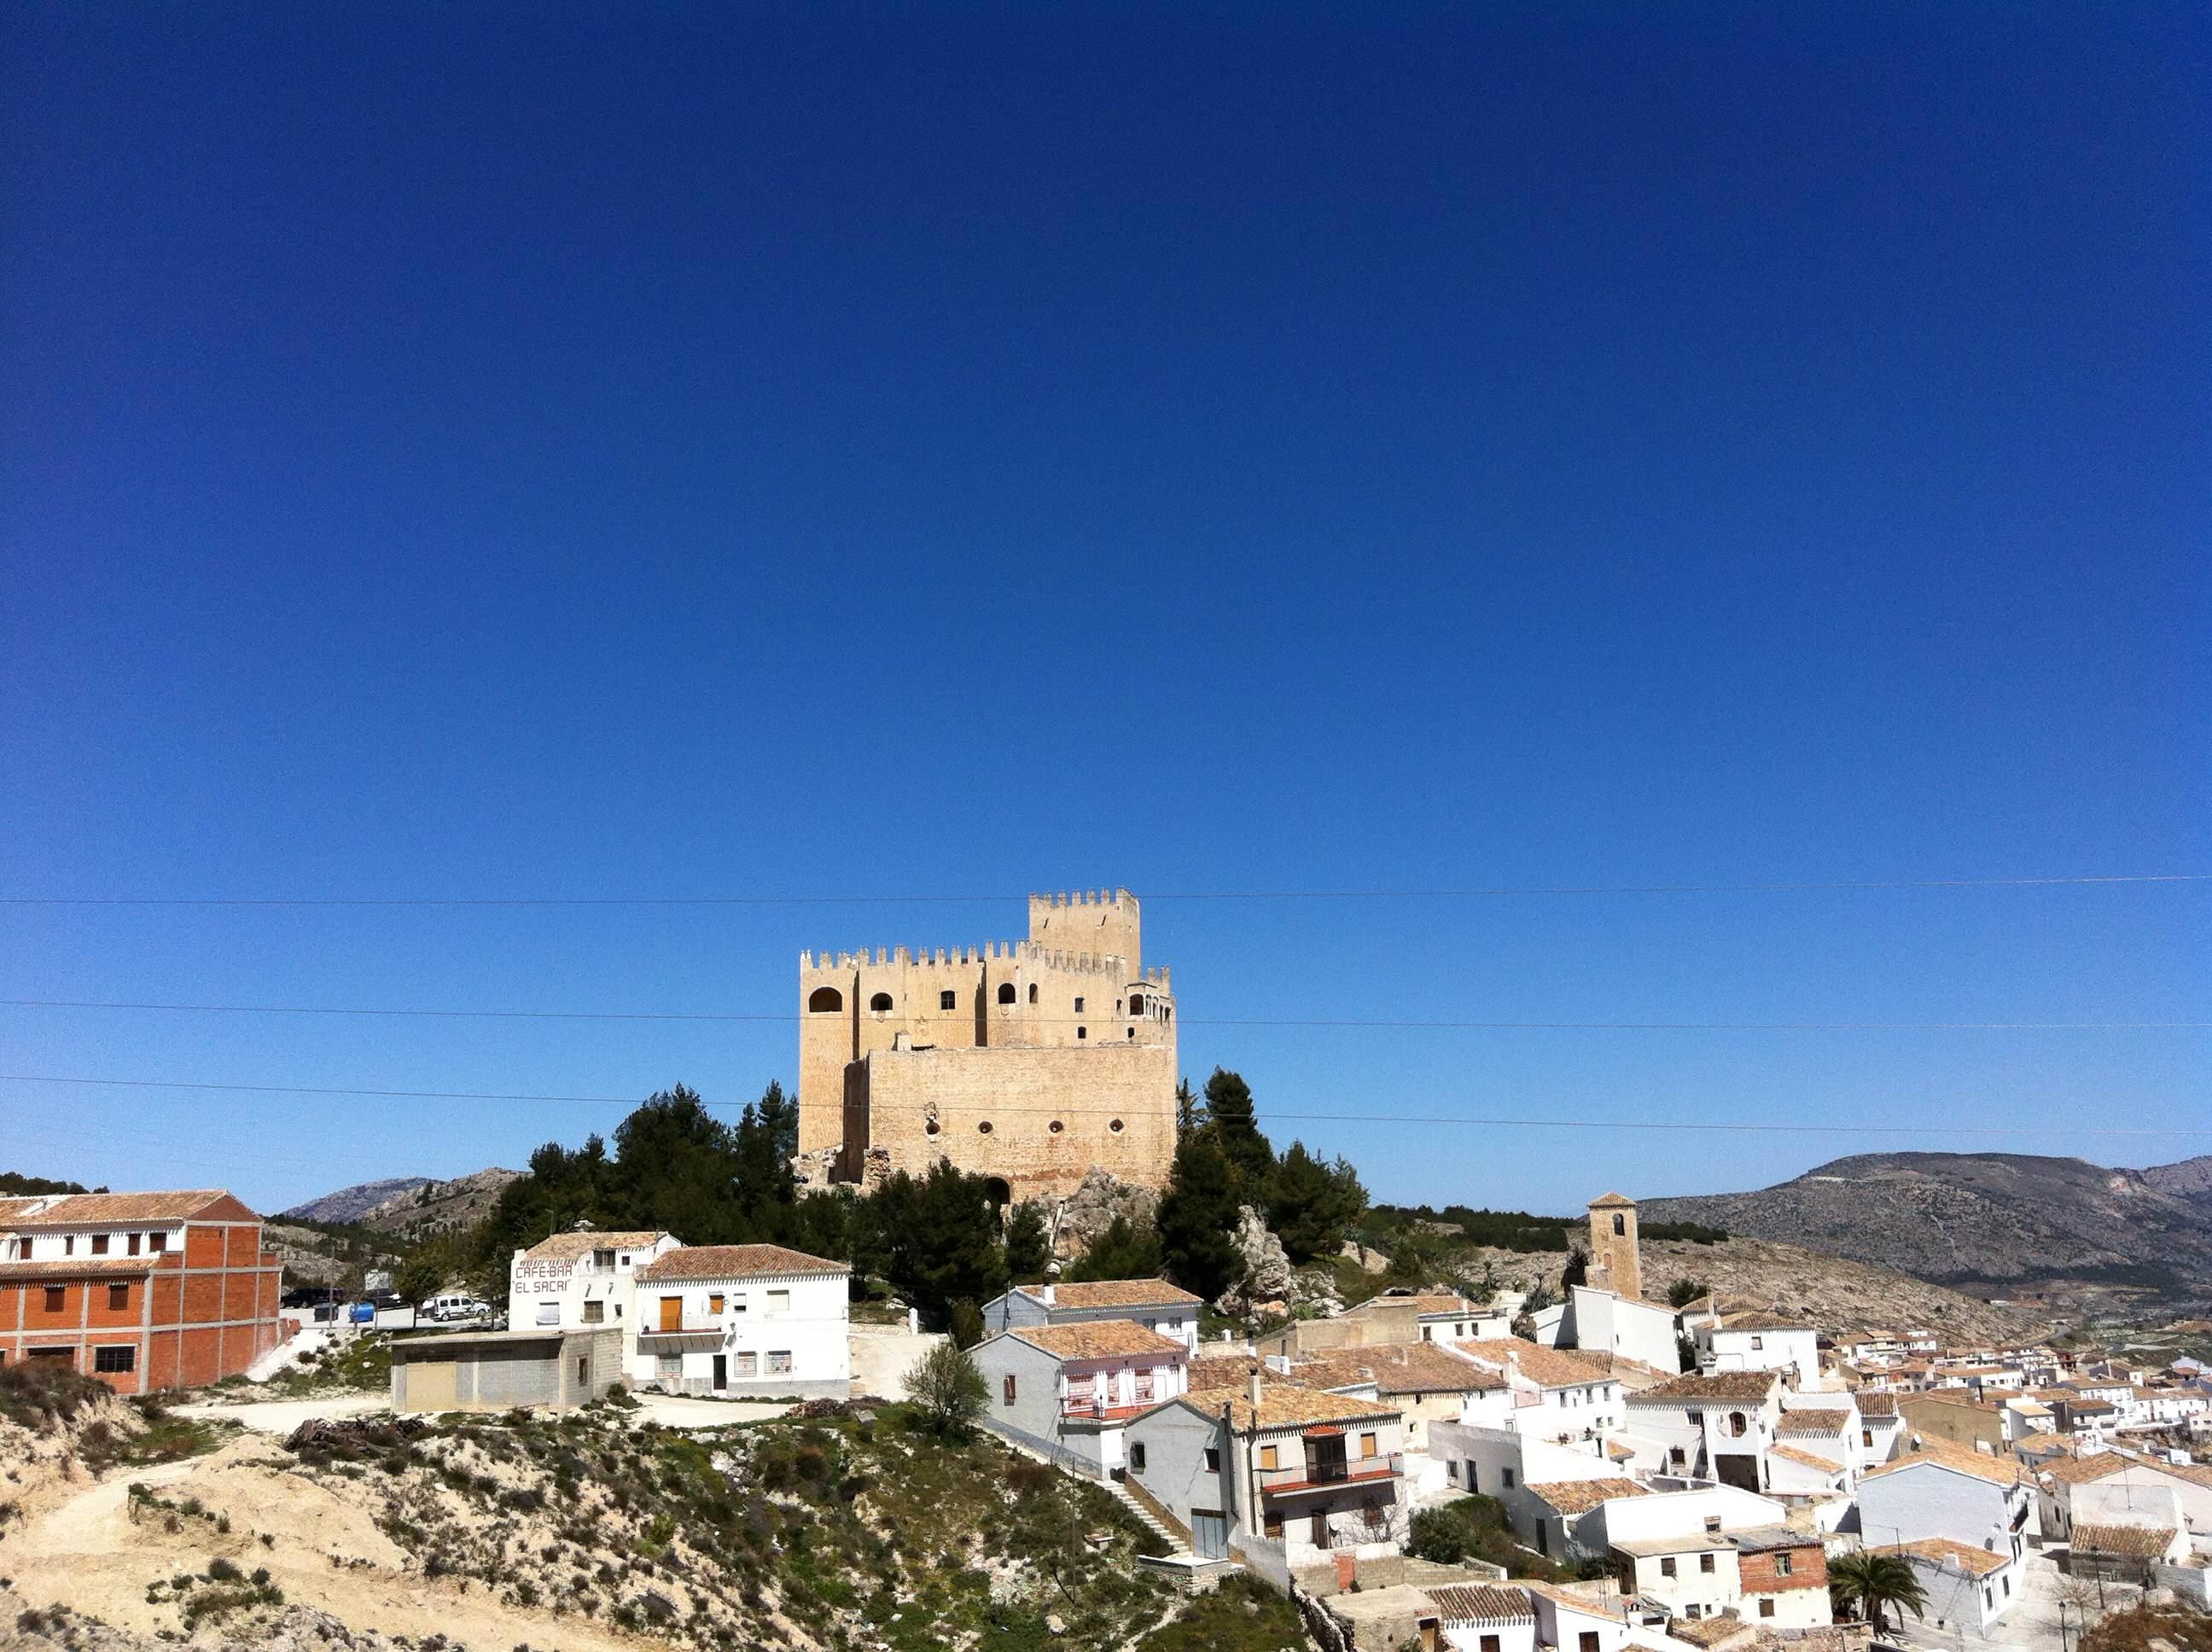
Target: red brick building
141, 1291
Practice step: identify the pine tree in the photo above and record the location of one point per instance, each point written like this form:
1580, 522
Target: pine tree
1188, 1116
1124, 1251
1197, 1221
1029, 1250
1310, 1204
1235, 1128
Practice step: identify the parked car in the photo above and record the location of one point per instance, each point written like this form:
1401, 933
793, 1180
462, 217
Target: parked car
455, 1306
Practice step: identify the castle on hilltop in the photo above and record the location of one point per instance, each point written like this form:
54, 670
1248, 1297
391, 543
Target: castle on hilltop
1025, 1061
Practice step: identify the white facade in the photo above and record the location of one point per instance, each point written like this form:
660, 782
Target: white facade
1599, 1320
1758, 1347
727, 1320
580, 1281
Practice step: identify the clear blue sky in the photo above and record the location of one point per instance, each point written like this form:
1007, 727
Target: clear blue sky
488, 451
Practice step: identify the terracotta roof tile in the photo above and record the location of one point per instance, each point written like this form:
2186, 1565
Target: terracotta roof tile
1580, 1496
1707, 1631
1488, 1603
1096, 1340
2080, 1471
1959, 1557
1759, 1320
1112, 1293
1813, 1422
2144, 1542
1876, 1404
734, 1262
575, 1246
1398, 1367
82, 1267
68, 1209
1941, 1454
1550, 1368
1697, 1388
1287, 1404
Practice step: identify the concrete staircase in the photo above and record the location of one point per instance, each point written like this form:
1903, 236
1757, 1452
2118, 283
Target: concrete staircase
1152, 1518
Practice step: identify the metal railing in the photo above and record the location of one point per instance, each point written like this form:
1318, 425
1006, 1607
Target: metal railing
684, 1327
1333, 1471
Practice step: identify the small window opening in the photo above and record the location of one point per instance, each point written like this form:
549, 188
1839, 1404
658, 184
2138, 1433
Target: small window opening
1033, 992
1078, 1006
1083, 1032
947, 1001
1056, 1126
1115, 1127
983, 1128
1006, 991
881, 1003
1136, 1004
931, 1128
824, 998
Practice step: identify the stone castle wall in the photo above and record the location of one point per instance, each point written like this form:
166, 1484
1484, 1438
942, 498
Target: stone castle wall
1076, 985
1037, 1119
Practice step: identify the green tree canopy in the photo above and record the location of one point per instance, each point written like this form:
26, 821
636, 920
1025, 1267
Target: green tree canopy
1125, 1251
1029, 1249
1310, 1205
1234, 1126
1198, 1220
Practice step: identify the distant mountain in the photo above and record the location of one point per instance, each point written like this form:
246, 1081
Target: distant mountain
2191, 1178
438, 1206
351, 1204
409, 1207
1987, 1219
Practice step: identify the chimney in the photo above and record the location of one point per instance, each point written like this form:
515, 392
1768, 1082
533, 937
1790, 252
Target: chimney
1046, 1289
1252, 1392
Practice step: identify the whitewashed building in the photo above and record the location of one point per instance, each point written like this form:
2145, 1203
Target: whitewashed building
739, 1319
581, 1280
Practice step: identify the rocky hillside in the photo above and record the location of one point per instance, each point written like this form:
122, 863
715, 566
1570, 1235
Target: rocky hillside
351, 1204
859, 1529
1829, 1292
2191, 1179
2012, 1220
409, 1207
311, 1256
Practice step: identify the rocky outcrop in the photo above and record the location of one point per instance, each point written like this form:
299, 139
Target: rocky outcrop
1077, 1221
1267, 1276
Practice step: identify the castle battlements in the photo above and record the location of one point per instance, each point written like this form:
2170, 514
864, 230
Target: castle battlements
1068, 1022
1010, 952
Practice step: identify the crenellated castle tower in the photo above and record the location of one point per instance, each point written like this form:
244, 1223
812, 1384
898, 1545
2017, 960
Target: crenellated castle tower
1028, 1061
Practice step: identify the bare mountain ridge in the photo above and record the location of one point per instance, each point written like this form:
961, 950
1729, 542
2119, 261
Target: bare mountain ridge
411, 1207
351, 1204
1985, 1218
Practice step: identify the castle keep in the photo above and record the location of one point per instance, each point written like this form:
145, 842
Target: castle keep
1025, 1061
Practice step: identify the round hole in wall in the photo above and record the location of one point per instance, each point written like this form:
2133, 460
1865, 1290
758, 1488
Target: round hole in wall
983, 1128
1115, 1127
931, 1128
1057, 1127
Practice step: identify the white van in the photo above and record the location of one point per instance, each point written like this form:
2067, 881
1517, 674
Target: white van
455, 1305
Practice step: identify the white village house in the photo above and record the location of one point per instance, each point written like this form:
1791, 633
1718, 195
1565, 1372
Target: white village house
580, 1280
756, 1320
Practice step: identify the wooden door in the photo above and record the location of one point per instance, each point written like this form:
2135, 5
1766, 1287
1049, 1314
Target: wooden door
671, 1313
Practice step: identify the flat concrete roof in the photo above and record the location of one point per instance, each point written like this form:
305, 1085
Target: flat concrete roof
452, 1341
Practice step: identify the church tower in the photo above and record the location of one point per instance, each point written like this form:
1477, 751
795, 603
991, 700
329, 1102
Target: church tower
1616, 1262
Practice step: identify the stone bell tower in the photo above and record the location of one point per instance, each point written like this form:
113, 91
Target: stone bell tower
1616, 1263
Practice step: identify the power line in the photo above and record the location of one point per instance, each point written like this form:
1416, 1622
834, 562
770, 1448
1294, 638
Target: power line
1724, 1126
790, 1017
1469, 892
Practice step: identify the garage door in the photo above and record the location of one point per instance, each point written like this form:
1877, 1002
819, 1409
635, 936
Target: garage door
433, 1384
1209, 1534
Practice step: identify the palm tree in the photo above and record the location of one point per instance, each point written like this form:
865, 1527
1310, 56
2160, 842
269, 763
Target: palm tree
1867, 1581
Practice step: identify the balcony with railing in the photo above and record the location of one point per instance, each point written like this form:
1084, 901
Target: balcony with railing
690, 1325
1329, 1473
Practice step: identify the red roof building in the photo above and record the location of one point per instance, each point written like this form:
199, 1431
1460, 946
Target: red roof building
141, 1290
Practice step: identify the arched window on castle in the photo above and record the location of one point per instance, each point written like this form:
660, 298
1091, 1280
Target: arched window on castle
881, 1003
1619, 1222
1006, 991
825, 997
1136, 1004
1033, 992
